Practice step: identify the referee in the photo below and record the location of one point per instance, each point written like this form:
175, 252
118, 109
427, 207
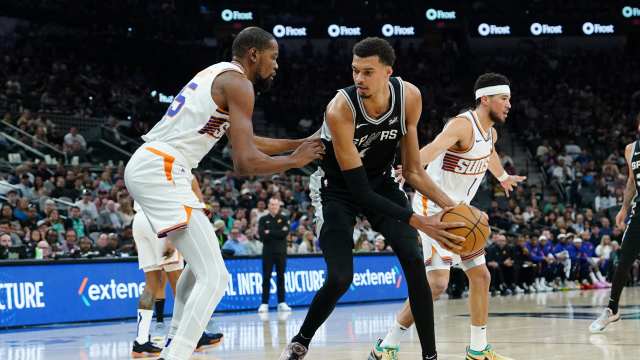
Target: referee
273, 229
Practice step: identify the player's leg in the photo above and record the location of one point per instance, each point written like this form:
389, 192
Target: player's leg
336, 242
628, 253
479, 283
403, 239
142, 346
205, 286
160, 298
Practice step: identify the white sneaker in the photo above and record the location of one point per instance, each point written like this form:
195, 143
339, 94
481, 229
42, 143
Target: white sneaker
263, 308
606, 318
283, 307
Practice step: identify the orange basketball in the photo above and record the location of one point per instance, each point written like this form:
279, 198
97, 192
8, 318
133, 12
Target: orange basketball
476, 230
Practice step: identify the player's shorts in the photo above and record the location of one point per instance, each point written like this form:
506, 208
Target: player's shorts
151, 248
437, 257
159, 180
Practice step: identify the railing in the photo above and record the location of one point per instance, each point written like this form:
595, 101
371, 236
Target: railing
23, 145
35, 139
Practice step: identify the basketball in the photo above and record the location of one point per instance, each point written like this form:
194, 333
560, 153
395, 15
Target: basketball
476, 230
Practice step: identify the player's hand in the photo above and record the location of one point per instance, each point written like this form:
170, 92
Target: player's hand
437, 230
308, 151
397, 175
315, 135
511, 182
621, 217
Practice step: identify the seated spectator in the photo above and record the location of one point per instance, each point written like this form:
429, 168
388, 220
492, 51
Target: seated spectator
110, 219
74, 221
86, 248
7, 213
127, 244
500, 263
70, 247
253, 245
86, 205
307, 246
379, 245
233, 245
292, 246
74, 143
362, 244
45, 250
56, 222
219, 228
5, 244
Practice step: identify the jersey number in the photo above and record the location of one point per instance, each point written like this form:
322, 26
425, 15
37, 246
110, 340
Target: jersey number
179, 101
638, 180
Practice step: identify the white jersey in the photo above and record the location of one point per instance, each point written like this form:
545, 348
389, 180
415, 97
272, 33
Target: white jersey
459, 174
193, 124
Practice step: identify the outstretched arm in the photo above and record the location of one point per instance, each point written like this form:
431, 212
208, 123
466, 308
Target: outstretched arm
247, 158
508, 182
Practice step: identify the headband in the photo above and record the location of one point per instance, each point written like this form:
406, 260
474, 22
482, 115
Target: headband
493, 90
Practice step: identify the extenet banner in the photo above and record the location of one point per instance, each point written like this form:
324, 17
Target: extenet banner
60, 293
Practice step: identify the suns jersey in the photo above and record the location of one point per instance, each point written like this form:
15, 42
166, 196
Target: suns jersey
193, 123
459, 174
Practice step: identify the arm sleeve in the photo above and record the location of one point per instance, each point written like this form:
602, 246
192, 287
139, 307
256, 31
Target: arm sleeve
363, 194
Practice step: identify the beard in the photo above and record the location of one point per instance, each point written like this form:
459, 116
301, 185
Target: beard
495, 118
262, 84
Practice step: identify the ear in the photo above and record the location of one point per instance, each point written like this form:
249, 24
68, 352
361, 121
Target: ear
389, 70
253, 55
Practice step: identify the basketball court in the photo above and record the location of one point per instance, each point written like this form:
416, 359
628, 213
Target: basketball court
525, 327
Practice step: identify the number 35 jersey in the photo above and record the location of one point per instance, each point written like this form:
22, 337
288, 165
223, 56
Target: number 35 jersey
459, 173
193, 124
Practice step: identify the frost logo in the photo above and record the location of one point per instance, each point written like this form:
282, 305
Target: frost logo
335, 30
539, 29
485, 29
389, 30
434, 14
280, 31
393, 277
629, 11
589, 28
229, 15
109, 291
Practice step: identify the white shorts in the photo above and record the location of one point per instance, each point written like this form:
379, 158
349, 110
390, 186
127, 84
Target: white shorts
437, 257
151, 248
159, 181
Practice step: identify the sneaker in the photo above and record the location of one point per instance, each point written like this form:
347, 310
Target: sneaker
606, 318
294, 351
263, 308
209, 340
283, 307
383, 353
487, 354
147, 349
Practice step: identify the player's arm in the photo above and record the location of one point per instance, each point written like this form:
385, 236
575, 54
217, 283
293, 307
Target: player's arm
340, 122
195, 186
247, 159
629, 190
271, 146
508, 182
412, 169
453, 133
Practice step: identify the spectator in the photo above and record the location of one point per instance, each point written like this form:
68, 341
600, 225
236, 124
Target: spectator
219, 228
88, 209
292, 247
110, 219
86, 248
379, 244
44, 250
127, 244
500, 263
233, 245
5, 244
75, 222
74, 143
70, 246
273, 229
307, 246
25, 187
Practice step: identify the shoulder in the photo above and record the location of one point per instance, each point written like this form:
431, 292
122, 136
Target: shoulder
410, 90
339, 107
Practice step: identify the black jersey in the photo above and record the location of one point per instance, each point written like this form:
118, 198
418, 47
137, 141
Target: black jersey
376, 139
635, 167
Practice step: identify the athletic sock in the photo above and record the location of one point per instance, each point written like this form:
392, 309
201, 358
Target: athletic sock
478, 338
394, 336
159, 306
144, 323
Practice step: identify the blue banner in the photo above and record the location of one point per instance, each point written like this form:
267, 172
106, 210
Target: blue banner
58, 293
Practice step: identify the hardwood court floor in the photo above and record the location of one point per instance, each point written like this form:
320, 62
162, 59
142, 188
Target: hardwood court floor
525, 327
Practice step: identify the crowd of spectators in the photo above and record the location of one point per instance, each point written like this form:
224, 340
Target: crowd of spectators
553, 234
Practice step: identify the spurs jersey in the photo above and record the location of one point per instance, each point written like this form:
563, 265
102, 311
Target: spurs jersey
459, 174
376, 140
193, 124
635, 167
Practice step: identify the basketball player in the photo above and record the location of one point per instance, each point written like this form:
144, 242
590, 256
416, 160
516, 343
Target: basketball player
217, 100
630, 244
457, 161
364, 125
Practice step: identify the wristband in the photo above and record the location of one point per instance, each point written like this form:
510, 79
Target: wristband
503, 177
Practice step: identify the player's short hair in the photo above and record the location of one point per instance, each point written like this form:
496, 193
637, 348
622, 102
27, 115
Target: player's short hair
251, 37
489, 79
375, 46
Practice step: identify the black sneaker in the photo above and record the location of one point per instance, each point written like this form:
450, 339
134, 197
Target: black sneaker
294, 351
147, 349
209, 340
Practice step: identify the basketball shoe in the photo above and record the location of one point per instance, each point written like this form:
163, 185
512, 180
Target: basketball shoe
606, 318
294, 351
487, 354
147, 349
383, 353
208, 340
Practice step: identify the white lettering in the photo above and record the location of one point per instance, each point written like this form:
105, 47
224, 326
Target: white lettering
485, 29
590, 28
280, 31
389, 30
337, 30
230, 15
433, 14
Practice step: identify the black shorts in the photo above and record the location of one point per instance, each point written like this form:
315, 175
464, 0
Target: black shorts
336, 213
